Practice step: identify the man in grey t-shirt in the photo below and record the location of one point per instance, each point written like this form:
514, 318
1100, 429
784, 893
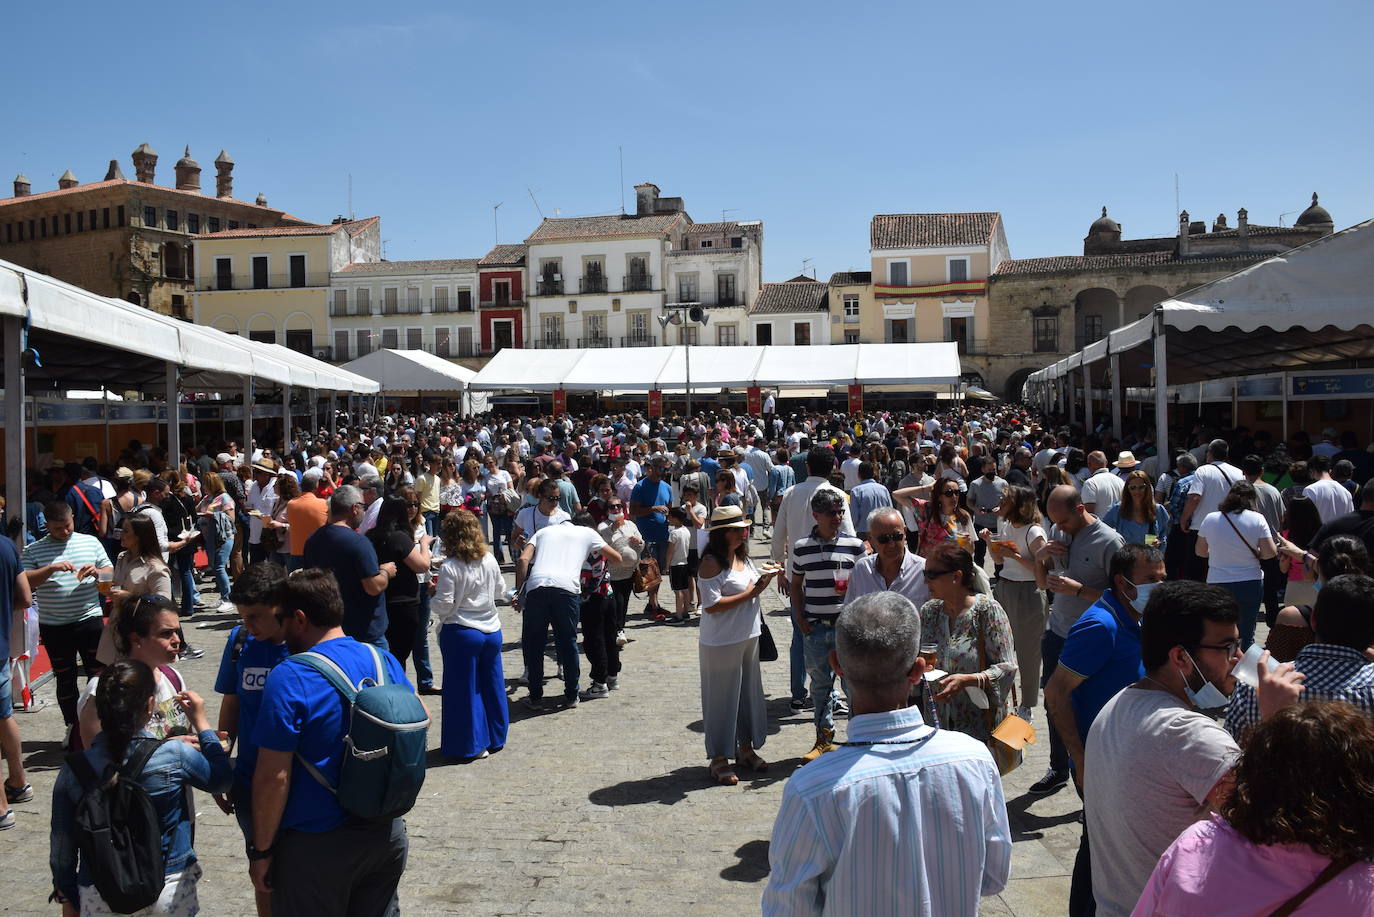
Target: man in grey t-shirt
1077, 553
1156, 763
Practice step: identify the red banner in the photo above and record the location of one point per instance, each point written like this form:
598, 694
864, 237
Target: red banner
755, 400
560, 402
856, 399
655, 403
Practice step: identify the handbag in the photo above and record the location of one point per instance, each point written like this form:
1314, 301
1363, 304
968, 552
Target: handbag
646, 575
1007, 739
768, 649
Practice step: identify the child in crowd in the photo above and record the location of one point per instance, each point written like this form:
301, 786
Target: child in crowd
679, 574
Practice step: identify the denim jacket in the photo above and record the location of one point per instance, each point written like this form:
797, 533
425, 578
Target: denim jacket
173, 767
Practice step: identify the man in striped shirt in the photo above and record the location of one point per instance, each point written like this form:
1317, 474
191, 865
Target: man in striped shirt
821, 566
62, 569
903, 818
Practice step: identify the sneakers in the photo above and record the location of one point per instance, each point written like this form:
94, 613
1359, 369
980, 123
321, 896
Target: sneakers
803, 703
1047, 784
225, 607
612, 682
596, 690
23, 794
570, 701
824, 743
840, 707
535, 704
6, 821
620, 638
190, 652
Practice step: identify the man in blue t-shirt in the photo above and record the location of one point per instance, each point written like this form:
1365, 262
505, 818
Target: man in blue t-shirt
1101, 656
649, 502
338, 548
306, 851
15, 596
254, 649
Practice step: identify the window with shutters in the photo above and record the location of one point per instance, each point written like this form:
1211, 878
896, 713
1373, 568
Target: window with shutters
414, 339
687, 288
340, 303
192, 222
441, 342
801, 333
341, 345
173, 220
1046, 334
297, 266
727, 335
224, 274
465, 299
725, 290
552, 328
362, 301
412, 300
897, 273
364, 339
389, 306
441, 299
390, 338
958, 269
149, 216
465, 346
259, 272
689, 334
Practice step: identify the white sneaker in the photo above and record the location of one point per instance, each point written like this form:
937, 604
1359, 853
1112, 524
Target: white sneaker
620, 638
226, 605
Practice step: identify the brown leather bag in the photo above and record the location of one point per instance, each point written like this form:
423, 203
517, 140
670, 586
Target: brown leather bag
647, 575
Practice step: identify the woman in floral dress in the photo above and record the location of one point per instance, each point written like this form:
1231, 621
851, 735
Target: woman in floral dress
953, 620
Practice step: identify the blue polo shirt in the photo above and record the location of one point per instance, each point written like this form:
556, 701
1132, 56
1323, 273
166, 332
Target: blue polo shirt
245, 678
351, 558
653, 526
303, 714
1103, 647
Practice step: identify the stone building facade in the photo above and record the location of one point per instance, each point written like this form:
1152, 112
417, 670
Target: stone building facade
1043, 309
123, 238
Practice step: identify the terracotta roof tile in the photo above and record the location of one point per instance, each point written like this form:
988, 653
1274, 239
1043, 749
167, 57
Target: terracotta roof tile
505, 255
911, 230
113, 182
439, 266
791, 296
1086, 263
616, 224
713, 228
352, 227
850, 277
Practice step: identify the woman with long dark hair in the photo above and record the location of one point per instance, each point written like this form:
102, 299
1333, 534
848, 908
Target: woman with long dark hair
179, 509
138, 571
124, 701
216, 514
733, 714
1235, 539
394, 540
1295, 828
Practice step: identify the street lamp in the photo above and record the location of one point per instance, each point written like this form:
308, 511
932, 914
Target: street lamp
684, 313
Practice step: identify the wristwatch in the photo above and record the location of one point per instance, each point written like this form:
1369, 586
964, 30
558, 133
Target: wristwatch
255, 854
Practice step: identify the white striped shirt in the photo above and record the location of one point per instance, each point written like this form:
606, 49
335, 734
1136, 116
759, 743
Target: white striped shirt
817, 560
909, 829
62, 599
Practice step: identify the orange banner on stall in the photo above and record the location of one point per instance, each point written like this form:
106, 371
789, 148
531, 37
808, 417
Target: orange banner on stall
560, 401
856, 399
655, 403
755, 400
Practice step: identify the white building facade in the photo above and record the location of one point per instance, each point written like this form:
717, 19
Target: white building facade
405, 305
718, 266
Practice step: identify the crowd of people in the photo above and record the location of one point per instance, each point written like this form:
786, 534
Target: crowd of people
943, 573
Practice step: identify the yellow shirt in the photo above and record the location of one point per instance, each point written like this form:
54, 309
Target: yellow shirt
380, 465
427, 486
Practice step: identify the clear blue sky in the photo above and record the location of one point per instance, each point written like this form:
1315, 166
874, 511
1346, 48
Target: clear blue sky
811, 117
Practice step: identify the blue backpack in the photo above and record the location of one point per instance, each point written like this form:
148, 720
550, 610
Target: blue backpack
384, 750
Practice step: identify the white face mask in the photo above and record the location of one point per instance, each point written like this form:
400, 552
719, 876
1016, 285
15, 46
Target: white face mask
1209, 696
615, 517
1142, 595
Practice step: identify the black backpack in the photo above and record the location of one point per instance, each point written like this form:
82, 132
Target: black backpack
118, 831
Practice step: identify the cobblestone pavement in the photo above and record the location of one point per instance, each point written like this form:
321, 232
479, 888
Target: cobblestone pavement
607, 808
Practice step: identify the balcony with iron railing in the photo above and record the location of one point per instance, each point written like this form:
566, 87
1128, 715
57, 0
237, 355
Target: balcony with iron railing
215, 282
592, 283
596, 340
549, 287
547, 343
637, 283
638, 340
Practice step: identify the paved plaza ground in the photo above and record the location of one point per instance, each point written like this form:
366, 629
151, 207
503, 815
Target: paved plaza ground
605, 809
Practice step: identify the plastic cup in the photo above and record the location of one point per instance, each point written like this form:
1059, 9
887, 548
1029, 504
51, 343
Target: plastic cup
1247, 669
104, 581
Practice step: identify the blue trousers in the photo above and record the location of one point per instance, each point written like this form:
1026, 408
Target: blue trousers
544, 608
185, 563
219, 562
817, 646
424, 672
796, 658
476, 717
1248, 595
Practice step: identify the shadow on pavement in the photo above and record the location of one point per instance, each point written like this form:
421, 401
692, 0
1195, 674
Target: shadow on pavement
41, 756
752, 865
1026, 826
671, 788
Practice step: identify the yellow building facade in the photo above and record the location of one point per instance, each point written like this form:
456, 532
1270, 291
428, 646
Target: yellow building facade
273, 285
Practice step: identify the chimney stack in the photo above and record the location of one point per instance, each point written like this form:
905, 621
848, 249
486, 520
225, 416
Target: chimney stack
224, 180
145, 163
114, 172
1183, 226
1243, 226
188, 173
1219, 223
262, 200
646, 199
22, 188
68, 180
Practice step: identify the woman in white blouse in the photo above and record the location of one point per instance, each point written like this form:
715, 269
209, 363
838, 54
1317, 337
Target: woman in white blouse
732, 705
474, 694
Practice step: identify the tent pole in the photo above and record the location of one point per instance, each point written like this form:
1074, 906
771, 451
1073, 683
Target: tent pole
105, 416
248, 417
1114, 362
286, 416
333, 417
687, 356
15, 474
1161, 393
173, 417
1073, 402
1285, 408
314, 413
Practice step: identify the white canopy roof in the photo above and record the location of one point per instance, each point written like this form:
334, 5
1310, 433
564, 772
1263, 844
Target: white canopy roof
411, 371
646, 368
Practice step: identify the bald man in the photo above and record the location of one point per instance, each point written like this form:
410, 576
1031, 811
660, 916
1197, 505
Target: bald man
1101, 488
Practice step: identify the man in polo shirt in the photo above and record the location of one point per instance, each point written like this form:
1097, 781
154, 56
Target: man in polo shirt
1100, 657
352, 560
254, 648
62, 570
305, 514
427, 486
307, 853
649, 502
821, 566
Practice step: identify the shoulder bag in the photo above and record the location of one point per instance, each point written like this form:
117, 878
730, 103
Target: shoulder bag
1007, 739
1333, 869
1253, 549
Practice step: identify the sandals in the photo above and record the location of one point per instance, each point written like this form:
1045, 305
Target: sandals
752, 761
722, 774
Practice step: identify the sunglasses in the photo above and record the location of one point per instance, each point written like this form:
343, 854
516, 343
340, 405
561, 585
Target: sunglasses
413, 504
889, 538
949, 493
836, 513
934, 574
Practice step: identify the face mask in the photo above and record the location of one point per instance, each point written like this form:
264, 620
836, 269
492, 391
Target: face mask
1142, 594
1208, 697
615, 517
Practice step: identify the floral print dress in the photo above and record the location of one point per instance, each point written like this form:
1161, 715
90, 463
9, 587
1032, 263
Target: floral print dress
958, 649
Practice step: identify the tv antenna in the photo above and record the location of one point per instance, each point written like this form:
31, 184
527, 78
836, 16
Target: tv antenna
350, 197
495, 224
621, 151
725, 210
536, 203
806, 262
